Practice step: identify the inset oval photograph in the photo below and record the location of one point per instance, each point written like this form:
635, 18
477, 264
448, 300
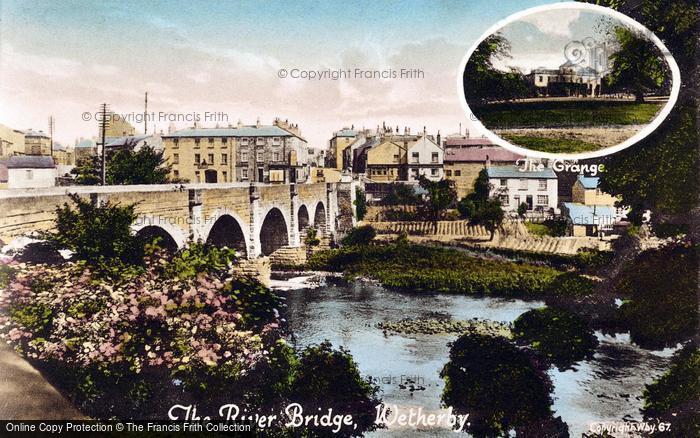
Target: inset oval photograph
568, 80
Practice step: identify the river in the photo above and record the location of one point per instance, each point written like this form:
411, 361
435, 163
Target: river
607, 387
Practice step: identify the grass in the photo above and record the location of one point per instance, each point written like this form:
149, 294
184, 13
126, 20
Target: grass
552, 145
568, 113
538, 229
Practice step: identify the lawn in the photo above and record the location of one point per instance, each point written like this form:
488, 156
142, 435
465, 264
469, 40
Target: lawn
565, 113
551, 144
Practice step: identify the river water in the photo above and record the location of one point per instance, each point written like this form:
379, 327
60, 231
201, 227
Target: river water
606, 388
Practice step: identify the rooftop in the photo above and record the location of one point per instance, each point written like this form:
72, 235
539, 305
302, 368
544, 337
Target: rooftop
516, 172
243, 131
588, 182
30, 162
33, 133
481, 154
590, 214
345, 133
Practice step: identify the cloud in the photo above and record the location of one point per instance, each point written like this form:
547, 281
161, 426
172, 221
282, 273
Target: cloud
555, 22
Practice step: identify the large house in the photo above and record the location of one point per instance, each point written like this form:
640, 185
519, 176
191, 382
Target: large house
425, 158
257, 153
514, 186
568, 80
340, 140
463, 163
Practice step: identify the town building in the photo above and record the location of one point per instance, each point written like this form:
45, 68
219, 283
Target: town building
36, 143
257, 153
386, 162
85, 148
592, 212
116, 127
425, 158
136, 142
340, 140
30, 171
463, 163
11, 141
324, 175
514, 186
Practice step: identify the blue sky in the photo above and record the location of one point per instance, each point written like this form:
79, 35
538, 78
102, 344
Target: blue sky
65, 58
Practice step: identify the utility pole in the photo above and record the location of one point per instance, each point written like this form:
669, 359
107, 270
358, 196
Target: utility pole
145, 115
104, 122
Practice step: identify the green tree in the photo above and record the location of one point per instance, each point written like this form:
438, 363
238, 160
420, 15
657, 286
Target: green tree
125, 166
522, 209
360, 204
87, 171
675, 396
637, 65
479, 208
329, 379
500, 386
441, 196
360, 236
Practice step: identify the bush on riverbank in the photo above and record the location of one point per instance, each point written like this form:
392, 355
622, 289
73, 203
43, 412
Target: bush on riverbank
500, 386
675, 396
360, 236
660, 287
425, 268
560, 336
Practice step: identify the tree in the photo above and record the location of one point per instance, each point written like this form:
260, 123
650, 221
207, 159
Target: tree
360, 236
125, 166
637, 65
479, 208
522, 210
490, 215
500, 386
97, 233
360, 204
441, 196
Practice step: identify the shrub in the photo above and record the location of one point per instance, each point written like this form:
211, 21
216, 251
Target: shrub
311, 238
663, 283
360, 204
500, 386
675, 396
196, 259
571, 284
359, 236
329, 379
562, 337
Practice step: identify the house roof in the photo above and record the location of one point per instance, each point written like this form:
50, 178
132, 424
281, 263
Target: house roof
467, 141
588, 182
516, 172
30, 162
345, 133
243, 131
481, 154
581, 214
87, 143
33, 133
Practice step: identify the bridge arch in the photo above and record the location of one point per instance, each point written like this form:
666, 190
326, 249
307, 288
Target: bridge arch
150, 232
320, 217
161, 228
274, 233
303, 218
227, 231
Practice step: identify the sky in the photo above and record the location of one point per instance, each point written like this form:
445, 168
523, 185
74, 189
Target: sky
63, 59
541, 39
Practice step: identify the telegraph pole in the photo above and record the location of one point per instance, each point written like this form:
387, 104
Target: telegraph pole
145, 115
52, 126
104, 122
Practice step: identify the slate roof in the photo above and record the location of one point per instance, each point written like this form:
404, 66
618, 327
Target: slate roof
480, 154
467, 141
588, 182
515, 172
30, 162
33, 133
345, 133
581, 214
244, 131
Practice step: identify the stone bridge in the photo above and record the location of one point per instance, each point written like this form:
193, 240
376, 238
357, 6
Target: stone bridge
256, 219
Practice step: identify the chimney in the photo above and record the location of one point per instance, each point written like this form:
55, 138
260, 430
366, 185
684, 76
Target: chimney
257, 123
488, 162
438, 138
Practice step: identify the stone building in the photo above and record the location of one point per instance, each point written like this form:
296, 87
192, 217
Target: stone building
568, 80
340, 140
11, 141
592, 212
36, 143
425, 158
30, 171
257, 153
513, 186
463, 164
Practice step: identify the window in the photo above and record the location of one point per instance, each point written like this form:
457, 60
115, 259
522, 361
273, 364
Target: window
244, 156
224, 140
542, 200
276, 176
176, 158
176, 173
434, 157
211, 141
244, 173
224, 158
276, 156
541, 78
414, 172
259, 141
261, 156
433, 172
196, 177
396, 158
448, 172
244, 142
516, 200
275, 140
176, 142
414, 157
503, 199
29, 174
503, 182
458, 173
542, 184
210, 159
196, 142
523, 184
224, 176
197, 159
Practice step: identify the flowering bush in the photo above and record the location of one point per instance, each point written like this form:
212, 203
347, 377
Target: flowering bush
160, 335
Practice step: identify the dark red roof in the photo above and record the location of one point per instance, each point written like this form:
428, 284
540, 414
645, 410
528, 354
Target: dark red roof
481, 154
467, 141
